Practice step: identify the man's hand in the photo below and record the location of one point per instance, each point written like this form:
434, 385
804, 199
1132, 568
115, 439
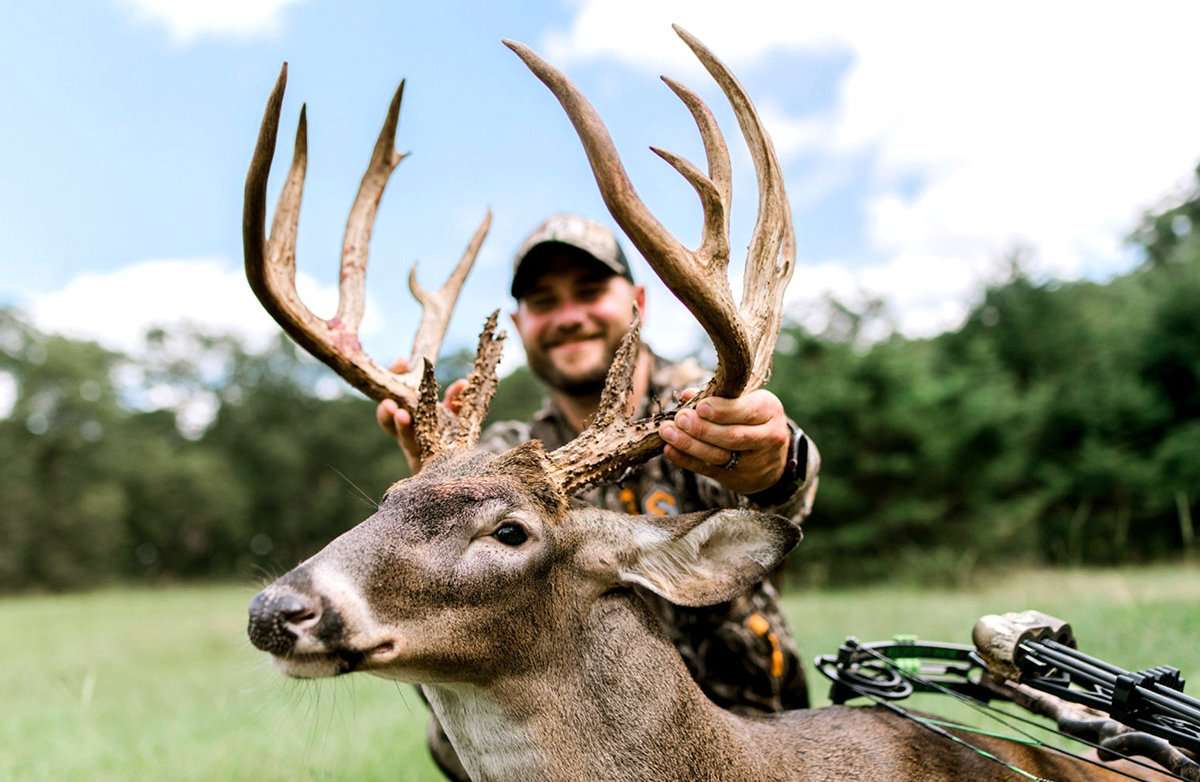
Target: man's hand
396, 421
705, 438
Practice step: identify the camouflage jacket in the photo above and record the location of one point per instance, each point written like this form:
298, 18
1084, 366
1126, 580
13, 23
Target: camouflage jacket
740, 652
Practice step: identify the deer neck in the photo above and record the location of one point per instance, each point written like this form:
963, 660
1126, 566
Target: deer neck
619, 704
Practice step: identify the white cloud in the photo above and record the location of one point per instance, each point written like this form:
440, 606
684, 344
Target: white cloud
188, 20
924, 294
1046, 126
116, 308
792, 135
640, 33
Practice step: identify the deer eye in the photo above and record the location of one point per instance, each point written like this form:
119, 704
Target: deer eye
511, 534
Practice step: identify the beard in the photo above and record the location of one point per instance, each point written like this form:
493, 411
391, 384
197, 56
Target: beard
588, 381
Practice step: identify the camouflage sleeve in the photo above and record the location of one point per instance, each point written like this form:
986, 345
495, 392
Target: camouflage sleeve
503, 435
799, 504
742, 653
795, 506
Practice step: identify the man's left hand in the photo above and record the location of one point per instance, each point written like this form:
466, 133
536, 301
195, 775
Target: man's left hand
703, 439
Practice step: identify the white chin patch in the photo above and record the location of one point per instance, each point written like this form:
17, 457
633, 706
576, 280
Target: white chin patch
306, 667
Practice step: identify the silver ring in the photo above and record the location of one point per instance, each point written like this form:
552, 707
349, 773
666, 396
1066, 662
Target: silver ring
733, 460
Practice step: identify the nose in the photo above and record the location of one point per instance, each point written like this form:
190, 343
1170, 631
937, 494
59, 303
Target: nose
569, 315
275, 618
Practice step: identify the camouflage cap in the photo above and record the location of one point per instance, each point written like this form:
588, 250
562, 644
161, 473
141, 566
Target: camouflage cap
578, 235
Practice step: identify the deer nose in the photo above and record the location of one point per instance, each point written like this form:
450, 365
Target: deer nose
275, 617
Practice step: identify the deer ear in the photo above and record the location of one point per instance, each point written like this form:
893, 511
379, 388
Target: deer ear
698, 559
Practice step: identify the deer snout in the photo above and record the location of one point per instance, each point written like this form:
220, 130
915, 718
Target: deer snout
276, 618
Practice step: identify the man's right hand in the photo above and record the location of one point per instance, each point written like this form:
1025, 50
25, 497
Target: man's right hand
397, 422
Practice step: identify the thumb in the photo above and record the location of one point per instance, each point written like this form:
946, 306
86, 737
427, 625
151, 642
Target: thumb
453, 401
407, 438
385, 413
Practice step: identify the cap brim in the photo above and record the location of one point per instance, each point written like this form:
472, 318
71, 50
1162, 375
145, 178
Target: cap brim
535, 260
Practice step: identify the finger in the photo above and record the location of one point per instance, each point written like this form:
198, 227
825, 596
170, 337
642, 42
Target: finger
757, 407
453, 400
735, 437
686, 394
399, 366
677, 457
685, 443
402, 420
407, 438
384, 412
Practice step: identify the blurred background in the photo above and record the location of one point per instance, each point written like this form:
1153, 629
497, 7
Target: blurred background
993, 332
992, 335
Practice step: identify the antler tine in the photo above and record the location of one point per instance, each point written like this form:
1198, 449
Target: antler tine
271, 271
715, 190
618, 192
771, 257
437, 430
356, 243
618, 382
254, 202
481, 385
698, 281
437, 307
610, 442
429, 417
271, 264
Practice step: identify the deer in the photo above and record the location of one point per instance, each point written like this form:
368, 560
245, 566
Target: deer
512, 606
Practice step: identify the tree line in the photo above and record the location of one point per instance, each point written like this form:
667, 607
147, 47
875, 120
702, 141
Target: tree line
1059, 424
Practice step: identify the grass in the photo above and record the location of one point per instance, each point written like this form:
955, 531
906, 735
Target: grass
135, 684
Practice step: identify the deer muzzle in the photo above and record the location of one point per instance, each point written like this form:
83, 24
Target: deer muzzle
277, 618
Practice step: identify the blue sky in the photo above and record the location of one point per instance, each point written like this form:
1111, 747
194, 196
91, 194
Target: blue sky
920, 144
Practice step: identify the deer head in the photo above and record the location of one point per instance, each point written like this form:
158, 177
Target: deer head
474, 570
479, 566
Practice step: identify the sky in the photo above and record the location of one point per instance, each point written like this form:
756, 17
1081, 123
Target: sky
922, 143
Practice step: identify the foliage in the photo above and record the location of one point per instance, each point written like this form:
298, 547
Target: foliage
1059, 423
92, 488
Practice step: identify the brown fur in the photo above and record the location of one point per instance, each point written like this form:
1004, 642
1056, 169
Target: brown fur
541, 663
529, 468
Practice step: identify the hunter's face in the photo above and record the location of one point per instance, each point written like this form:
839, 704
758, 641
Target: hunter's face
571, 320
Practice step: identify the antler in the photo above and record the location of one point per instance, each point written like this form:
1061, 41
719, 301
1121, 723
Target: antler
744, 336
271, 270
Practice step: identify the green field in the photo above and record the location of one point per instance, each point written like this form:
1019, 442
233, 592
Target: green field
140, 684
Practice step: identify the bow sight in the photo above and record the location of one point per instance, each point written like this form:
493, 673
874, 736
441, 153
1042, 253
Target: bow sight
1030, 659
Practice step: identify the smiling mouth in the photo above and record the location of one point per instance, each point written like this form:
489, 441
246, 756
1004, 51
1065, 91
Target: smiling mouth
571, 341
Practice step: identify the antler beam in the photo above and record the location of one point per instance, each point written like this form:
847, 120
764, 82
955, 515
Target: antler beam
744, 335
271, 271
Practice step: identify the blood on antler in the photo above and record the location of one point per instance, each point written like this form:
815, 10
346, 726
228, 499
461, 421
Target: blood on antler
744, 335
271, 270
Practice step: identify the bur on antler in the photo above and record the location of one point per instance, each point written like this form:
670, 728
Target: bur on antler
745, 334
271, 270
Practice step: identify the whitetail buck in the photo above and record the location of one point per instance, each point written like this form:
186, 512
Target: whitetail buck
513, 608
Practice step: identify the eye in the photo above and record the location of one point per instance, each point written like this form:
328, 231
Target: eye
539, 303
511, 534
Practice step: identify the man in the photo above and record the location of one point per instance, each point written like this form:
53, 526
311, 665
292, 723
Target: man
575, 300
